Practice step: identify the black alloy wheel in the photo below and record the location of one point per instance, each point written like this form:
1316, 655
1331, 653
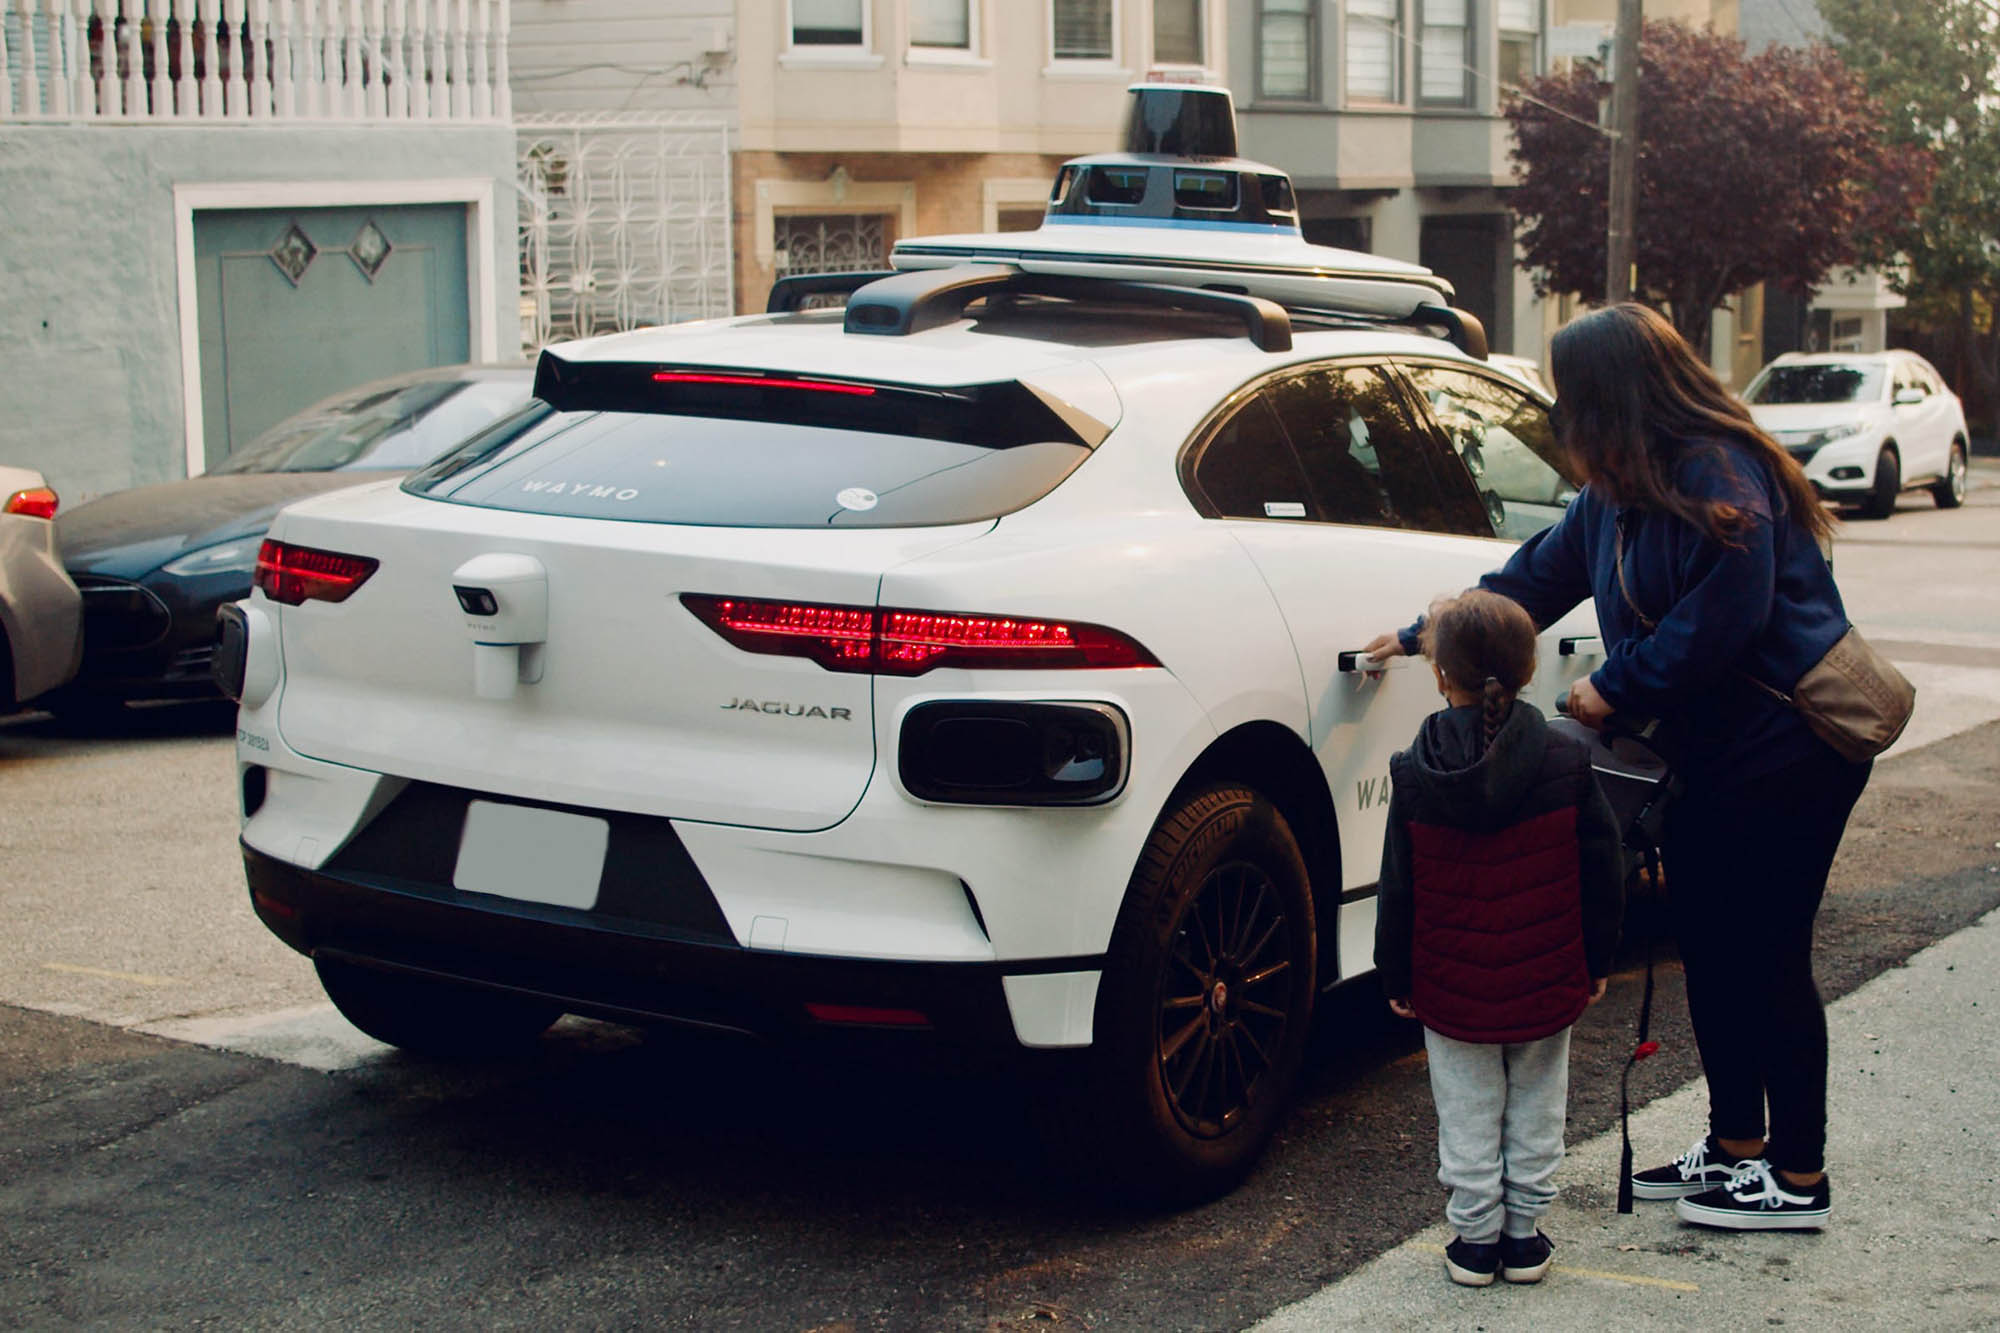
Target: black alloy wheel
1205, 1001
1224, 999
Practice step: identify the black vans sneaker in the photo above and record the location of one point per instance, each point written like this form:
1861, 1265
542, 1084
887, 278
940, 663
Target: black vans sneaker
1703, 1167
1472, 1264
1525, 1258
1758, 1199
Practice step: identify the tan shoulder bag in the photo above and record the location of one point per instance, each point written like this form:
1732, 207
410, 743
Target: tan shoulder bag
1852, 698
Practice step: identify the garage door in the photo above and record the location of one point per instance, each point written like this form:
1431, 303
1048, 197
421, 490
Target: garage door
294, 305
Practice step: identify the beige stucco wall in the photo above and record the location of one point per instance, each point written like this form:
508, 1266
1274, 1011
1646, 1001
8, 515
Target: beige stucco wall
1005, 96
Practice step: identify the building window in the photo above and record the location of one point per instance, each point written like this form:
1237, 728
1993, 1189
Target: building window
941, 24
1520, 33
1082, 29
822, 23
1285, 43
1374, 50
1177, 32
1444, 73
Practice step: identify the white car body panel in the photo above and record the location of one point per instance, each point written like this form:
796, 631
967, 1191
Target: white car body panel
802, 829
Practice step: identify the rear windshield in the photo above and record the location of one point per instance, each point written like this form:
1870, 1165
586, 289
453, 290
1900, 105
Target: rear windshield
1817, 384
758, 455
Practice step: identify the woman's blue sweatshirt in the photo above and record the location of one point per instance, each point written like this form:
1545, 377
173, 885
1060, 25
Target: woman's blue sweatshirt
1763, 603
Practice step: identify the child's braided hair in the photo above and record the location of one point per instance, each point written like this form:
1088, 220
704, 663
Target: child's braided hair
1482, 636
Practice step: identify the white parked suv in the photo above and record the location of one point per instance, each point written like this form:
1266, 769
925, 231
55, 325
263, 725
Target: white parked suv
1867, 426
980, 660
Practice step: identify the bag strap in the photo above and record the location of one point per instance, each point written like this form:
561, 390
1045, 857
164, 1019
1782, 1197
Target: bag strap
1618, 562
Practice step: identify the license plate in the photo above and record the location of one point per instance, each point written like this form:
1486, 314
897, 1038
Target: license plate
532, 855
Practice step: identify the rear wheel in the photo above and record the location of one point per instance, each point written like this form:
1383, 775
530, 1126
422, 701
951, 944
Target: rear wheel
435, 1018
1949, 490
1206, 997
1881, 501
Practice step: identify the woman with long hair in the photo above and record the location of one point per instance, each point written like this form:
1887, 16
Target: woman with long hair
1700, 540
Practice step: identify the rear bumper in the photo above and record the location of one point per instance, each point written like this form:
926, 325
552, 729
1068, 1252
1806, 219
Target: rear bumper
619, 968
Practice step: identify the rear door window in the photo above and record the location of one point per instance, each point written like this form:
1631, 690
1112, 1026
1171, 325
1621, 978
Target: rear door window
1248, 468
1364, 456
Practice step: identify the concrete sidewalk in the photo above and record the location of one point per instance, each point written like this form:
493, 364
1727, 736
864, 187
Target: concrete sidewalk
1914, 1242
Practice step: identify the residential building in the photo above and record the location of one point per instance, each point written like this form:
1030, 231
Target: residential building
865, 120
626, 124
213, 214
1387, 115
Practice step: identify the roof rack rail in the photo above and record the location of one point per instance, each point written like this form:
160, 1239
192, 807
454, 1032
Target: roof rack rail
1462, 328
790, 294
920, 299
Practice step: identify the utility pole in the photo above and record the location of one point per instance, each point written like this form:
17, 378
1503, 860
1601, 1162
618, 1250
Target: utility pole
1620, 249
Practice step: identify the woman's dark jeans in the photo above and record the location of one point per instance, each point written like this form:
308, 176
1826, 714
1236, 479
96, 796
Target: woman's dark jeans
1746, 868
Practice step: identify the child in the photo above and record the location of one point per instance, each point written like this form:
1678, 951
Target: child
1502, 889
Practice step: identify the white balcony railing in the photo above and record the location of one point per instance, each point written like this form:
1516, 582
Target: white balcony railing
253, 60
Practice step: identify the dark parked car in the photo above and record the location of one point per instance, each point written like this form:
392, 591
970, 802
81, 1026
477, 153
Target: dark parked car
155, 564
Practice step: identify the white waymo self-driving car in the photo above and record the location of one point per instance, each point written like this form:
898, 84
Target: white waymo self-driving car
982, 658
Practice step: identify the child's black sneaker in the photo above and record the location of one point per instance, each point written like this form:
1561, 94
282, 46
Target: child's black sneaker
1705, 1166
1758, 1199
1525, 1258
1472, 1264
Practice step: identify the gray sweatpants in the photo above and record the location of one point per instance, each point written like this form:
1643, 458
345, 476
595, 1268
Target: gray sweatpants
1500, 1130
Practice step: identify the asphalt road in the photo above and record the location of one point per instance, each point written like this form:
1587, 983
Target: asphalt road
622, 1178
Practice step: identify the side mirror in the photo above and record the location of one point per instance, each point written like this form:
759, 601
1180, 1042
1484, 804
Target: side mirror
1905, 397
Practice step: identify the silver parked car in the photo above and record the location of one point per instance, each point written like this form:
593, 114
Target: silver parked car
41, 615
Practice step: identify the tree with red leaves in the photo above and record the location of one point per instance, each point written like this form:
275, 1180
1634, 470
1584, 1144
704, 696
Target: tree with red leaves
1770, 168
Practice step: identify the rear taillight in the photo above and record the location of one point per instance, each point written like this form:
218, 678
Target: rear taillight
294, 574
36, 502
881, 641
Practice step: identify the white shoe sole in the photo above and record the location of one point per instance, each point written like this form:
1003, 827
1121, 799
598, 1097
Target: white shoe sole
1650, 1190
1733, 1219
1535, 1274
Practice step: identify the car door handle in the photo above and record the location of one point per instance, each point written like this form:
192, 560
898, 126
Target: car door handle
1580, 645
1356, 659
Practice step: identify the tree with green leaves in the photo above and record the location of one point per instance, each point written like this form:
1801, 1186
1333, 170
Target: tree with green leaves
1934, 65
1773, 168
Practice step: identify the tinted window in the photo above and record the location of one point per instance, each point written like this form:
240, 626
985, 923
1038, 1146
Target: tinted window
393, 428
1248, 469
1364, 458
717, 471
1117, 185
1816, 384
1507, 444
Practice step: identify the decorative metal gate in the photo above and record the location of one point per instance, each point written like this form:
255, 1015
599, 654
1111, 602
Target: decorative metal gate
624, 223
841, 244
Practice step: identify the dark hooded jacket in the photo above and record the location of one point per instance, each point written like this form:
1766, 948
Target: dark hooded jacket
1502, 881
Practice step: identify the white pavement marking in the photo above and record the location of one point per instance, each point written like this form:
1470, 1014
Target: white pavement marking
313, 1036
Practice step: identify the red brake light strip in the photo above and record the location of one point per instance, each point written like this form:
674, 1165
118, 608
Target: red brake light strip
761, 382
909, 643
